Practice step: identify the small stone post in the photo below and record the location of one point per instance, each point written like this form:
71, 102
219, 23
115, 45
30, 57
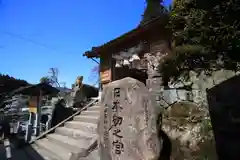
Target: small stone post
7, 147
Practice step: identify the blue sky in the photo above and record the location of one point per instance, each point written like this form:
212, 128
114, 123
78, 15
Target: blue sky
36, 35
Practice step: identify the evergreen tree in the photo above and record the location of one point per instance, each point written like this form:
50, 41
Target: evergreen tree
8, 84
153, 10
46, 80
204, 38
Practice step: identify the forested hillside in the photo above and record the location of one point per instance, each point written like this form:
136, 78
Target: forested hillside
8, 83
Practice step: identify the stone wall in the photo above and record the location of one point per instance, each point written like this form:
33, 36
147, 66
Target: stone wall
198, 85
189, 129
185, 111
186, 118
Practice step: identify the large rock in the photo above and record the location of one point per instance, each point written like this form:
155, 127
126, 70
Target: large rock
127, 127
189, 128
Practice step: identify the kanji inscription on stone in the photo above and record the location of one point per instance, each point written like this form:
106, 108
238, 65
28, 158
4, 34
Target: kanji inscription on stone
127, 127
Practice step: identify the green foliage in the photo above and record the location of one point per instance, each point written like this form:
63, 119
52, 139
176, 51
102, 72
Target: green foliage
153, 10
45, 80
203, 39
7, 83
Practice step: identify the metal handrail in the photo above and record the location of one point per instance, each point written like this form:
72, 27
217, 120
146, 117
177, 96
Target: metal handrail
65, 120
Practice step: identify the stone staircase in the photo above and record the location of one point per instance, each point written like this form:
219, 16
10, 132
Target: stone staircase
70, 141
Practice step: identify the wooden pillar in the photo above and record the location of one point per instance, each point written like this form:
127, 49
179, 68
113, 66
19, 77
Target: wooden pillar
38, 116
31, 128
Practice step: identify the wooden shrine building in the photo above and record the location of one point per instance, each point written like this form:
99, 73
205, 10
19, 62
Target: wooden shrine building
136, 53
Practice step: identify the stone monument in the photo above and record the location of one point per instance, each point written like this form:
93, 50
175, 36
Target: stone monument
127, 127
77, 93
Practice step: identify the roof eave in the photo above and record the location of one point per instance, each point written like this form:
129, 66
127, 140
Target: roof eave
95, 52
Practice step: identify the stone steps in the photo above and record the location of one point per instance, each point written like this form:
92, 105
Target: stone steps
73, 144
38, 153
86, 118
91, 112
74, 133
84, 126
70, 140
62, 152
94, 108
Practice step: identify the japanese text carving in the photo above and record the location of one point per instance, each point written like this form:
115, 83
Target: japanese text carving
116, 106
119, 146
116, 122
